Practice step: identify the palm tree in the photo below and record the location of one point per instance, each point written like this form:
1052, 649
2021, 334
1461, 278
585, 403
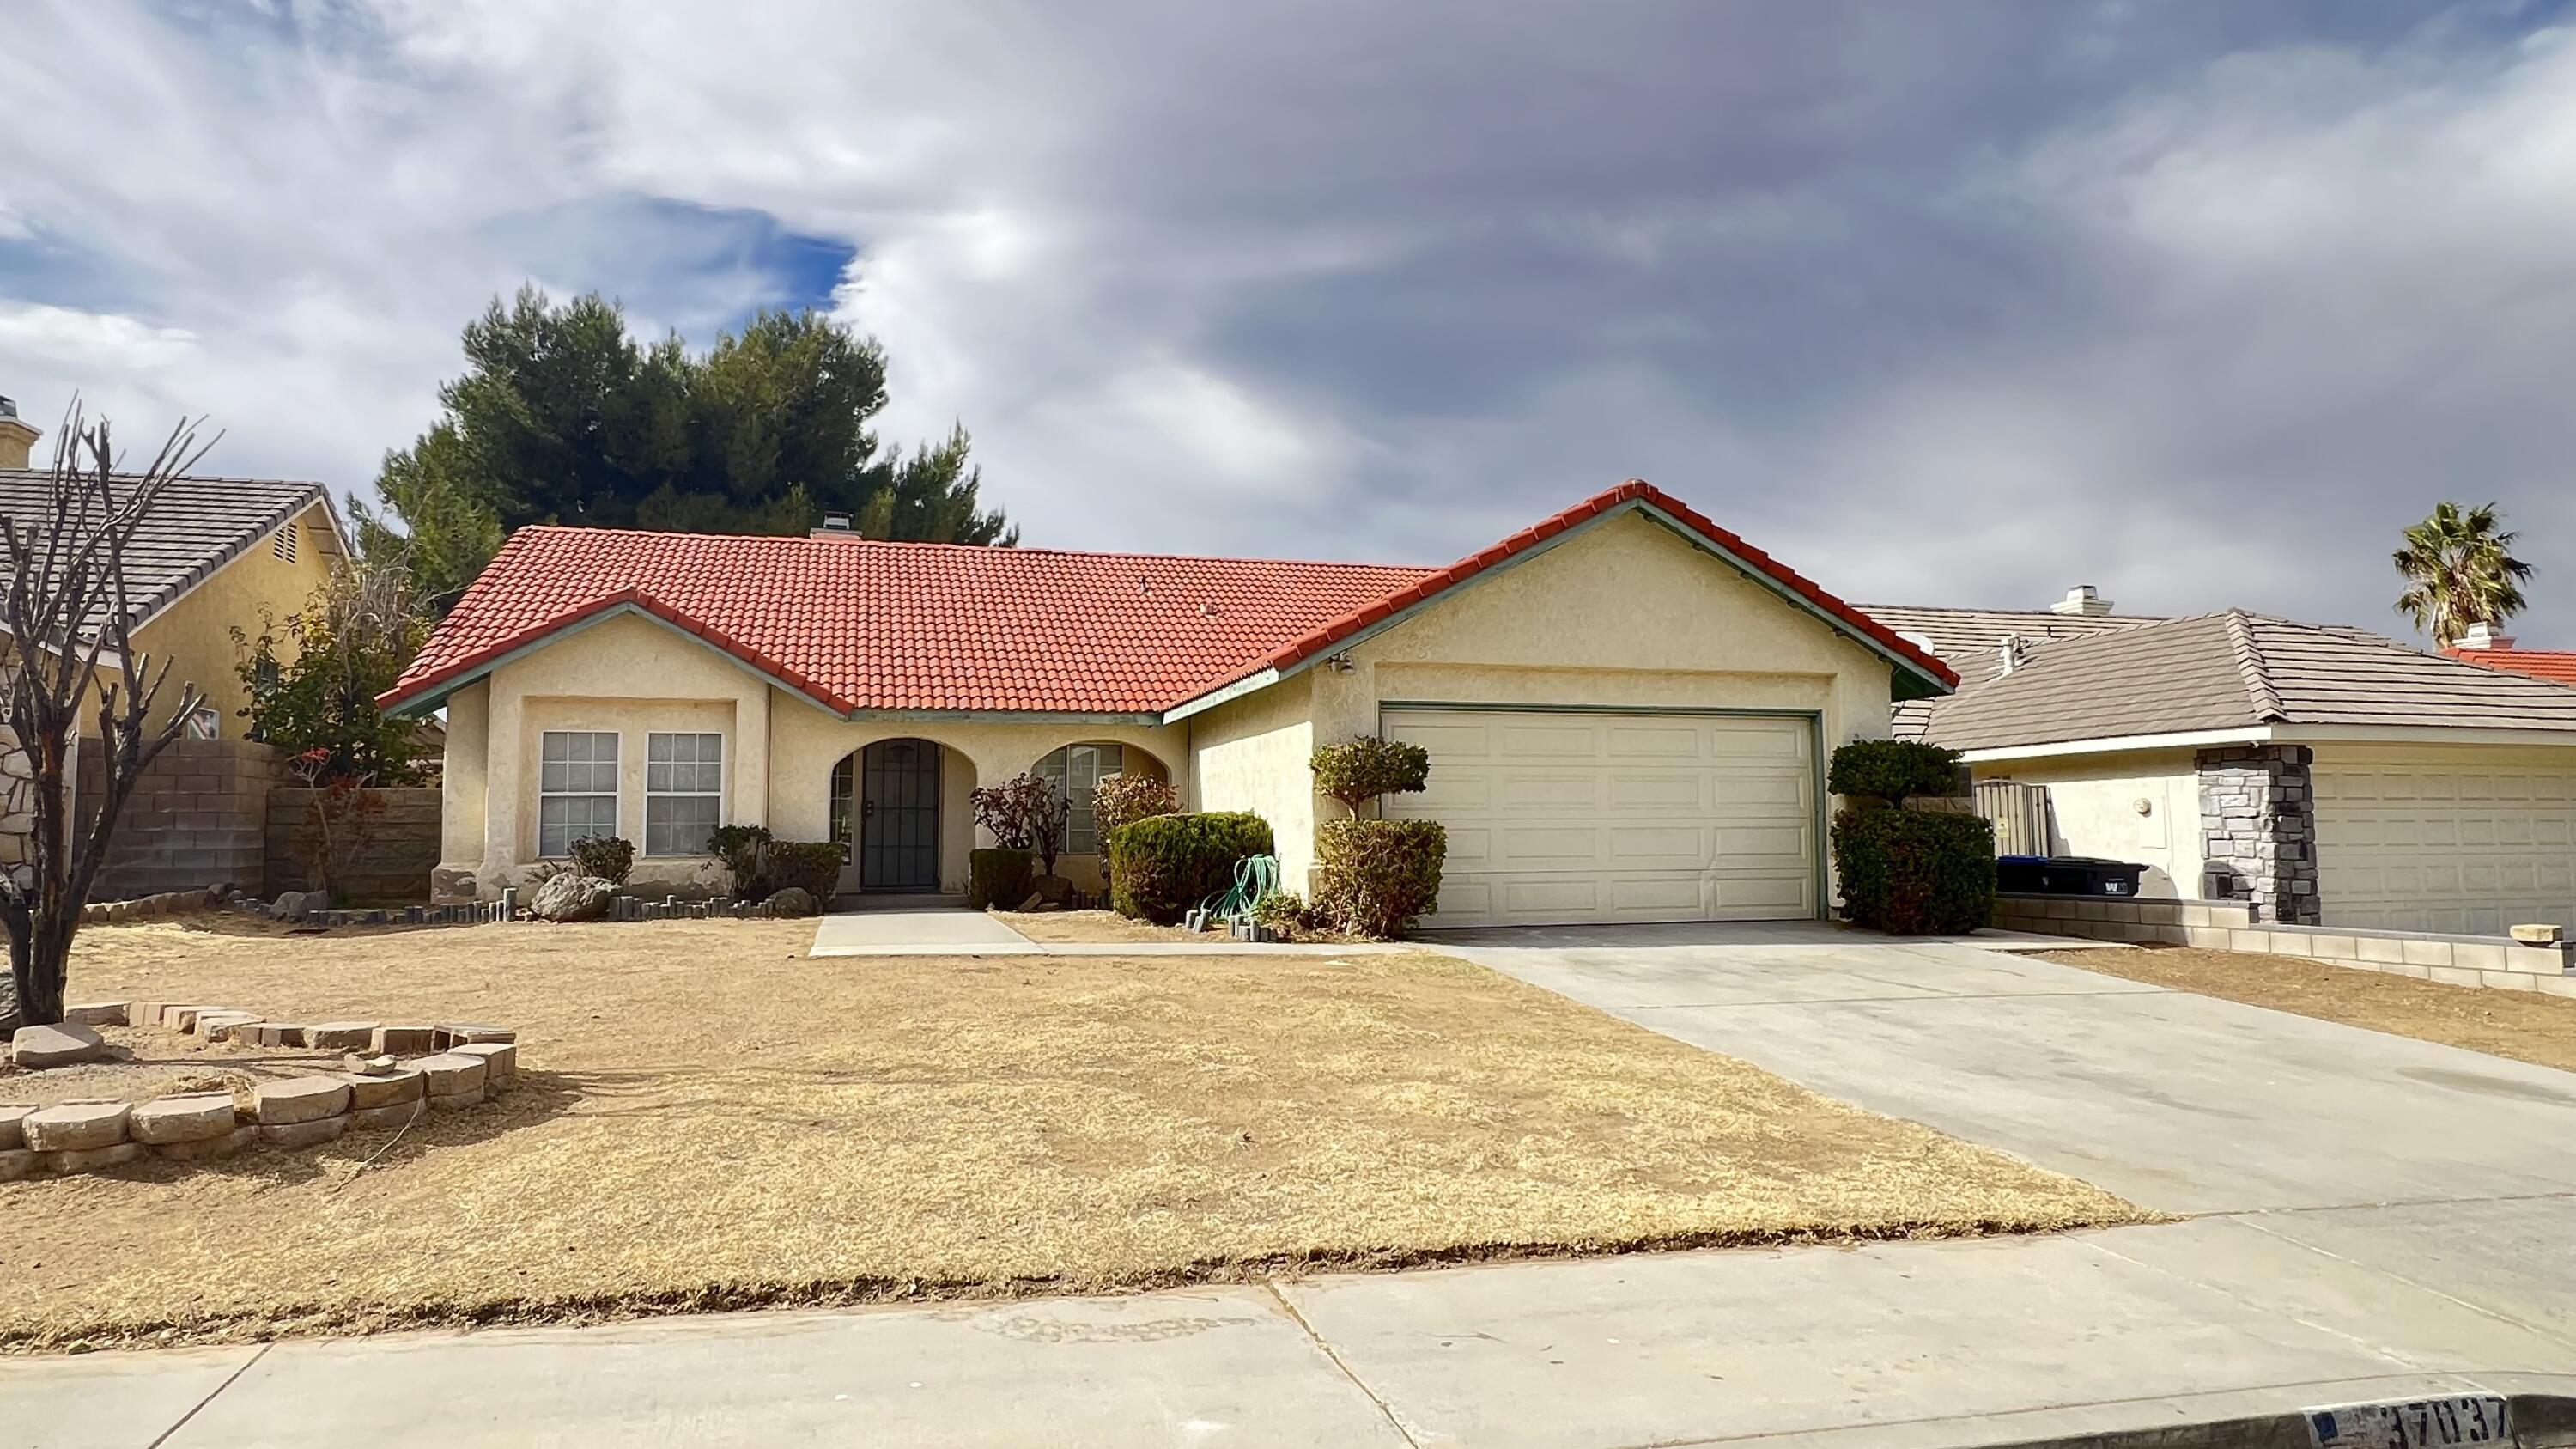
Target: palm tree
2459, 571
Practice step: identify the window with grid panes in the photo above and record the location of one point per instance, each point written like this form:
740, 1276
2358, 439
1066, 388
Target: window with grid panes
576, 789
683, 792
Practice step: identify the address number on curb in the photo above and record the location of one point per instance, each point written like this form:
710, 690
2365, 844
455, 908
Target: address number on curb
2418, 1424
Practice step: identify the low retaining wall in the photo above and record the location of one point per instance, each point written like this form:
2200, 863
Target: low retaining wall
2494, 961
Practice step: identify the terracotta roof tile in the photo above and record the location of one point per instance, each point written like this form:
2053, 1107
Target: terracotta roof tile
862, 624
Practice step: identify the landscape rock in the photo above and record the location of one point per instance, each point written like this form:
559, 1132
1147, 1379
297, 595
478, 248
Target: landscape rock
32, 1047
296, 1135
76, 1126
452, 1074
1054, 890
448, 886
115, 1154
296, 905
15, 1163
96, 1013
400, 1040
390, 1090
12, 1135
339, 1035
209, 1148
358, 1064
570, 897
193, 1117
299, 1100
793, 901
500, 1060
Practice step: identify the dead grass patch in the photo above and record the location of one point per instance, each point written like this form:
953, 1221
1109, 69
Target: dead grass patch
710, 1119
1090, 927
2524, 1025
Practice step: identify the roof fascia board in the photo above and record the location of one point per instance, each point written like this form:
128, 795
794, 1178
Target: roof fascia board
430, 699
1249, 684
2423, 734
2119, 744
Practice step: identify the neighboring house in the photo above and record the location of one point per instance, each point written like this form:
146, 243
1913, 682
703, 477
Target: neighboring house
2327, 774
1973, 641
2483, 645
1626, 705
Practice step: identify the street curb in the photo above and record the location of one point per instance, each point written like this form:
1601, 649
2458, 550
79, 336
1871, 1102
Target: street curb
2538, 1421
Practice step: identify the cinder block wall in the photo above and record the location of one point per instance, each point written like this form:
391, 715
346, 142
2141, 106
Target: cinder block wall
401, 849
199, 817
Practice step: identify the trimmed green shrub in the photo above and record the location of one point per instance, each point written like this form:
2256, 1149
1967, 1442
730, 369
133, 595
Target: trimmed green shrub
1891, 770
1163, 866
1284, 912
813, 866
1915, 872
1376, 877
1360, 770
605, 857
998, 877
745, 851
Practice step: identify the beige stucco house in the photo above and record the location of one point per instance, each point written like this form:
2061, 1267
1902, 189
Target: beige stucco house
2325, 774
1626, 705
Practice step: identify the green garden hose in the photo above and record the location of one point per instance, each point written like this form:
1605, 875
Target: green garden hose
1256, 878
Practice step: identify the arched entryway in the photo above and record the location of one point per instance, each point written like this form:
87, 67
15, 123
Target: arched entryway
885, 808
1076, 771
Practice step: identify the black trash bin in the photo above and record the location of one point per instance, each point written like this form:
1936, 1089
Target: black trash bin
2066, 875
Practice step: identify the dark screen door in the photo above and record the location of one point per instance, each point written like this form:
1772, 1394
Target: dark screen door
899, 816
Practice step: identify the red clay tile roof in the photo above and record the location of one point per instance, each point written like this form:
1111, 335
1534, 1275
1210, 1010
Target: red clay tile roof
2551, 664
860, 624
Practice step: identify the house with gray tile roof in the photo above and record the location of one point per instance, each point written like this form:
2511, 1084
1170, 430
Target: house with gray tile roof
2327, 774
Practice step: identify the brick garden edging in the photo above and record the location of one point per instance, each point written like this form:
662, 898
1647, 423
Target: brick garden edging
458, 1065
2501, 962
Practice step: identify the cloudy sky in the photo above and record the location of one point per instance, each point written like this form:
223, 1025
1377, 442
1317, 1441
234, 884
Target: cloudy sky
1942, 301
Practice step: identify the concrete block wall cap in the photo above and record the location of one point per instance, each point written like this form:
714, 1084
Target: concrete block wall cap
11, 1116
452, 1074
399, 1040
96, 1013
34, 1047
500, 1059
398, 1114
339, 1035
386, 1089
2540, 935
76, 1126
452, 1101
143, 1013
15, 1163
190, 1117
299, 1099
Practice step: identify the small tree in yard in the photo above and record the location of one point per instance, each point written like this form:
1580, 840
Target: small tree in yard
344, 820
1375, 877
69, 648
1024, 812
1125, 799
313, 676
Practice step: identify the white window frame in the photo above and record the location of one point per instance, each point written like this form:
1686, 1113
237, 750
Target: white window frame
724, 756
616, 791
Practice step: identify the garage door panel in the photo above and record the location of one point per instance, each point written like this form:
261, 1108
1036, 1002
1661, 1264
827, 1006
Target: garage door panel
1570, 818
2445, 845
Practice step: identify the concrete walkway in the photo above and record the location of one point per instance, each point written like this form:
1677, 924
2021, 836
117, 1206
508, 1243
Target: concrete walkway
956, 931
1887, 1347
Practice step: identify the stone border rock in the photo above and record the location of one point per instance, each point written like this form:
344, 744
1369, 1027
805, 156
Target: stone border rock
459, 1065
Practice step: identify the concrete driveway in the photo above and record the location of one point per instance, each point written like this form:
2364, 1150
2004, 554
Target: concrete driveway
2448, 1169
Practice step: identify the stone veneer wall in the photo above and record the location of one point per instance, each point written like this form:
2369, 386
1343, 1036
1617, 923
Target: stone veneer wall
17, 800
2258, 830
401, 849
198, 817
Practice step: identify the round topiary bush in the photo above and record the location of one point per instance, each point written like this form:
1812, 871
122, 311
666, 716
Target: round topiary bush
1377, 877
1163, 866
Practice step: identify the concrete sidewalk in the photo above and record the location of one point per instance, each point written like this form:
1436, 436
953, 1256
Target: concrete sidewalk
1893, 1346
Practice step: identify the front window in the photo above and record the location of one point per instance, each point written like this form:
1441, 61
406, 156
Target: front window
1075, 772
683, 792
576, 789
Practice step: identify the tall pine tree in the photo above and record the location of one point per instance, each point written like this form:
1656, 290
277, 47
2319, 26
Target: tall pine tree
562, 417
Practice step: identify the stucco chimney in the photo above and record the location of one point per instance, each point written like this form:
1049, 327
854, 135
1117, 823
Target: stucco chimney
2081, 599
2483, 635
16, 438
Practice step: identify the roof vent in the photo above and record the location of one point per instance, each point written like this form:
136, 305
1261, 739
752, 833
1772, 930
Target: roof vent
2483, 635
8, 409
2081, 599
2012, 652
836, 524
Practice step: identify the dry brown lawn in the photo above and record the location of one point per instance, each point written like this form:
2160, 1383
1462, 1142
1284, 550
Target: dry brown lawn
708, 1118
1090, 927
2524, 1025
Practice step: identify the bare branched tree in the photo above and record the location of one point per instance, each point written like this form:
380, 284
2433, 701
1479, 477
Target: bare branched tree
69, 648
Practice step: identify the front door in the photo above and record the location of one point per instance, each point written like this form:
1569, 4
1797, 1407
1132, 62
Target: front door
899, 816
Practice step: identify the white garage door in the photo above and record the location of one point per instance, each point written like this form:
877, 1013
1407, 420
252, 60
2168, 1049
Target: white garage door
1562, 817
2473, 842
